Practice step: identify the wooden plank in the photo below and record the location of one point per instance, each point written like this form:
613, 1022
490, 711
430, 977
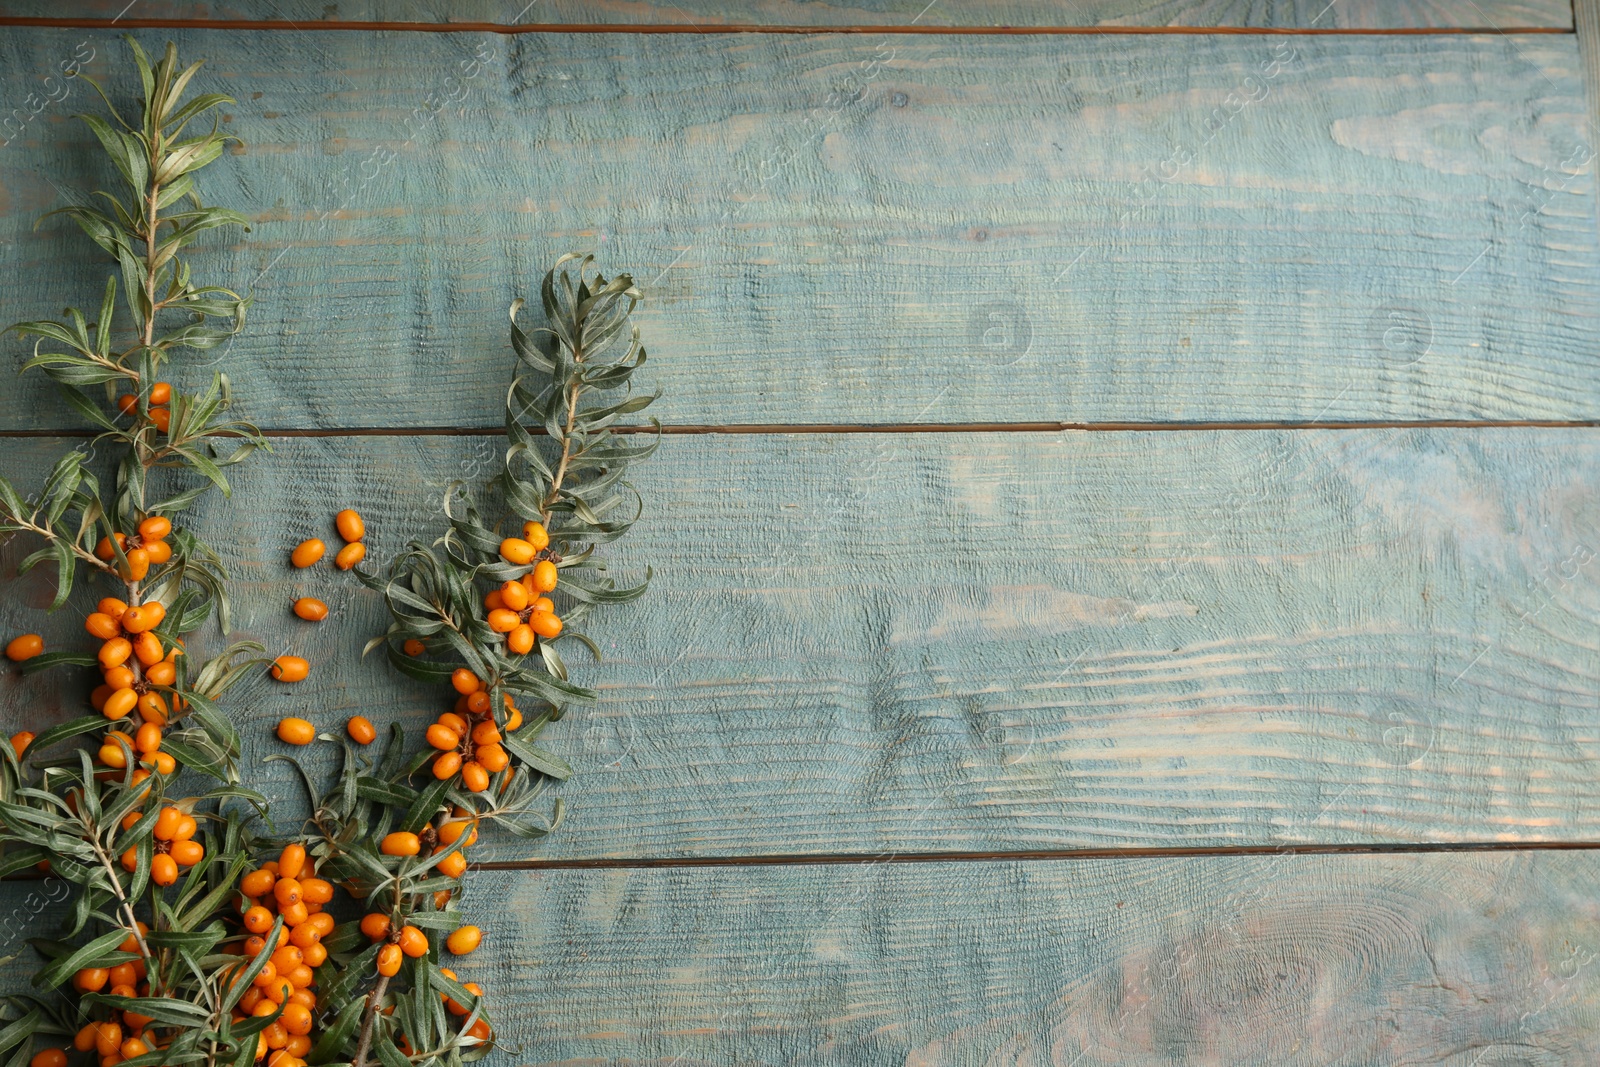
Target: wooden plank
1293, 14
1273, 961
997, 642
853, 228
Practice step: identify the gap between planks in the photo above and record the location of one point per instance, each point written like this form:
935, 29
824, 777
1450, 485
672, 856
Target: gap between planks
704, 28
1033, 855
778, 429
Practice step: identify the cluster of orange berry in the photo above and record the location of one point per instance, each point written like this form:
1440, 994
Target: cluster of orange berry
160, 397
520, 609
467, 738
132, 660
286, 887
126, 1034
145, 548
409, 940
175, 846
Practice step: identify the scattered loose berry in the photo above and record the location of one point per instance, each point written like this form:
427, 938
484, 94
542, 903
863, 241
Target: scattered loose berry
293, 731
350, 525
307, 552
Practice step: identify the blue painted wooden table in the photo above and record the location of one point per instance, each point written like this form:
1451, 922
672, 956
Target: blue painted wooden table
1126, 540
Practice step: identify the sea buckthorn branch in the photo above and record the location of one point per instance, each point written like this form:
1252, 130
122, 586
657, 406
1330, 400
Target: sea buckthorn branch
156, 975
478, 609
372, 834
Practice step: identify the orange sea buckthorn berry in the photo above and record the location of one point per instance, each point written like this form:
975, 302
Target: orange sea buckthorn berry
186, 827
147, 647
413, 942
111, 606
163, 869
465, 681
290, 669
164, 763
513, 720
464, 940
119, 678
400, 843
132, 1047
153, 708
120, 703
442, 737
453, 721
316, 890
546, 624
114, 653
160, 393
492, 599
148, 738
350, 555
286, 892
84, 1039
296, 1018
350, 525
493, 758
451, 832
361, 730
188, 853
307, 552
504, 620
107, 1038
137, 567
311, 609
516, 550
545, 576
317, 953
474, 777
138, 619
102, 626
158, 551
453, 865
20, 741
24, 647
293, 731
50, 1057
413, 647
389, 957
103, 549
543, 603
91, 979
514, 595
478, 703
161, 417
536, 535
167, 822
155, 528
446, 765
257, 883
286, 958
163, 673
375, 925
486, 732
291, 863
520, 640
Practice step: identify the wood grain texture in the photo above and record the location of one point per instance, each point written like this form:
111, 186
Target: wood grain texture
1264, 961
1274, 14
1454, 960
970, 642
853, 228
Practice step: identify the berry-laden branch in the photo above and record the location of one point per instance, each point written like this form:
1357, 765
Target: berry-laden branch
481, 610
144, 969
